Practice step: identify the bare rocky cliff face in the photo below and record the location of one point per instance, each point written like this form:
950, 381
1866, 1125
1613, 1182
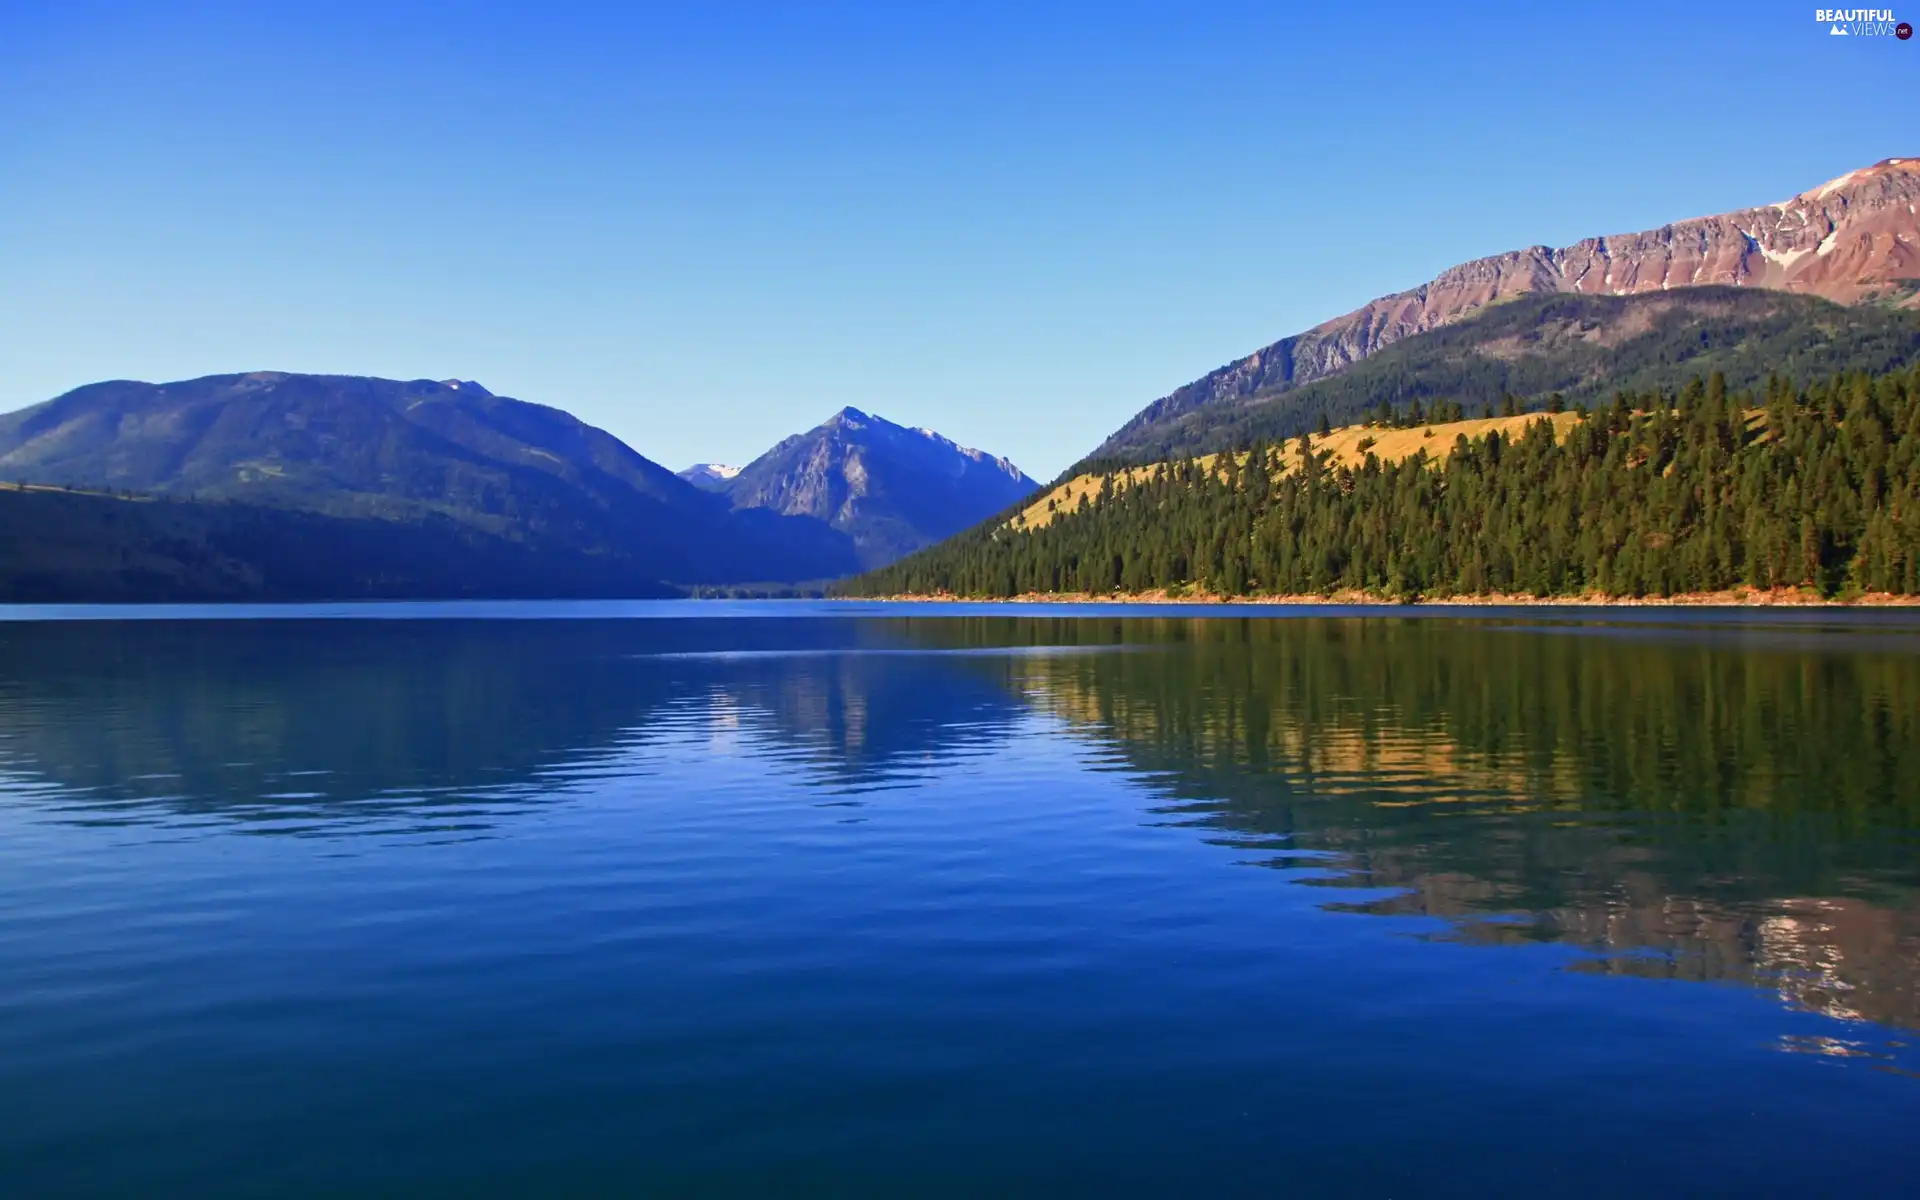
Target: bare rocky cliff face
1853, 240
893, 489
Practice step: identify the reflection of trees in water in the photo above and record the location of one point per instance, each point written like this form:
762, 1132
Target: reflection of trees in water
1640, 720
1704, 811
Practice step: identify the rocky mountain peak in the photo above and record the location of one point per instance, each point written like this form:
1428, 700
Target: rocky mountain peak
892, 488
1880, 172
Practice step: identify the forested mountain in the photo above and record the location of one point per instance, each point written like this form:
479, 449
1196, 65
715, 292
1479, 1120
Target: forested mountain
1854, 240
889, 488
419, 451
60, 546
1656, 493
1582, 347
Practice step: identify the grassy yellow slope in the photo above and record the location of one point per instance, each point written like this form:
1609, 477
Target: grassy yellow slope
1349, 447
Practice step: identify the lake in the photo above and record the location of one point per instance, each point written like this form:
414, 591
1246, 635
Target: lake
858, 899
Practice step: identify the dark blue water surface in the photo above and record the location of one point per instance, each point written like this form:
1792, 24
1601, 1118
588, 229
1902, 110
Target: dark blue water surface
861, 899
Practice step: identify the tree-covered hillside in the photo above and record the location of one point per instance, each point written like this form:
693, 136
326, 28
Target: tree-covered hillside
59, 546
1583, 347
1656, 493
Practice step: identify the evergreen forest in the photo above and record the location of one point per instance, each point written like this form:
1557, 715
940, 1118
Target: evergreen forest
1659, 493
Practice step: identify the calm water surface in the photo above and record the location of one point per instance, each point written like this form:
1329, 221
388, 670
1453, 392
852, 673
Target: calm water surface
790, 899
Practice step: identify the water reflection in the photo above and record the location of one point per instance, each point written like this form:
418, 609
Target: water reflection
334, 726
1727, 809
1702, 803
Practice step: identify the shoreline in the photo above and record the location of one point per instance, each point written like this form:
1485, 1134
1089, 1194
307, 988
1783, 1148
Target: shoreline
1740, 598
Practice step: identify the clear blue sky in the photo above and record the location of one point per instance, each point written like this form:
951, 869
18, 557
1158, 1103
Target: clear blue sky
707, 226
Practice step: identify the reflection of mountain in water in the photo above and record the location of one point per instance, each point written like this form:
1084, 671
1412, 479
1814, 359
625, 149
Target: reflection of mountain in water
857, 712
1707, 811
313, 725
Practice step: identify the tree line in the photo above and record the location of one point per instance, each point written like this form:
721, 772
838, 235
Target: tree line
1585, 347
1659, 493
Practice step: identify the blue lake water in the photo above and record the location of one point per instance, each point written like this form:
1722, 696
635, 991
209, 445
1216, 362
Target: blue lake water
838, 899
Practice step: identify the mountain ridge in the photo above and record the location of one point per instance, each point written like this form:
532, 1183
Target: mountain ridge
1855, 238
1531, 348
358, 446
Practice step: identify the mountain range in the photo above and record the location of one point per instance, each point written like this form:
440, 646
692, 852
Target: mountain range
1853, 241
463, 477
408, 451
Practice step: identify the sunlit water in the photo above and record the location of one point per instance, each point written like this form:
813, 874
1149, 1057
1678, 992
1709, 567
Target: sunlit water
788, 899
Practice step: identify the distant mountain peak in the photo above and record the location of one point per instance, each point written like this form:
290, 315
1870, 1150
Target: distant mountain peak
712, 477
853, 418
465, 385
892, 488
